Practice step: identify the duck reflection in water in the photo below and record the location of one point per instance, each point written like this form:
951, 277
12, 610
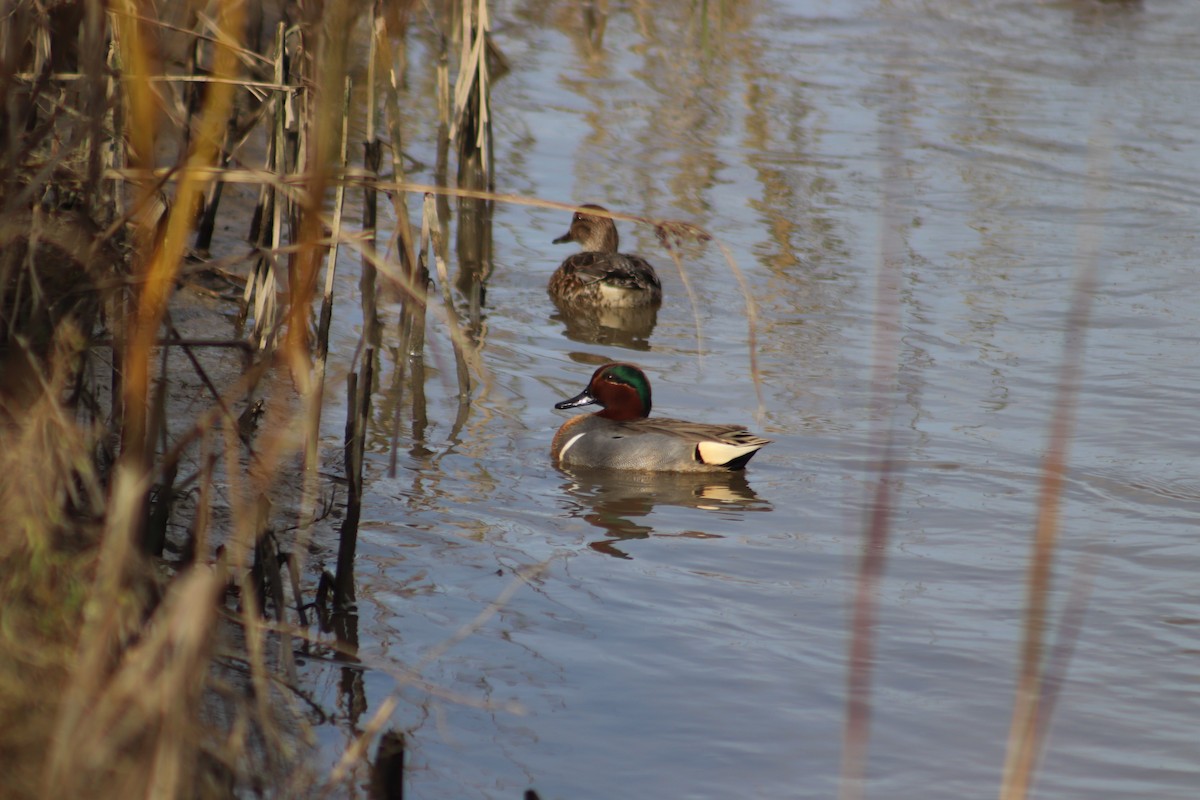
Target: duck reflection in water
625, 462
602, 295
619, 503
620, 327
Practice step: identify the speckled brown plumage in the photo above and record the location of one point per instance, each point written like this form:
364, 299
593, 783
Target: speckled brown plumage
600, 275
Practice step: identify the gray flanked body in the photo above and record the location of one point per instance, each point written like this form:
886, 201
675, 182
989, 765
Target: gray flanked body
624, 436
656, 444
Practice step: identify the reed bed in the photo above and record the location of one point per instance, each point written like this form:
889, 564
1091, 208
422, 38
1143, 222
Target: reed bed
153, 592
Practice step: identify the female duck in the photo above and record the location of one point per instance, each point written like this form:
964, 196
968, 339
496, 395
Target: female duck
622, 436
601, 276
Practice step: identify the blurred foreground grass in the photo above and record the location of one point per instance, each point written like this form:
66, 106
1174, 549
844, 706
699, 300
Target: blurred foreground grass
130, 665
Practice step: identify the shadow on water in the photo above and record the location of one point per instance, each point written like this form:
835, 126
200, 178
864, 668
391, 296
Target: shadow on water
619, 503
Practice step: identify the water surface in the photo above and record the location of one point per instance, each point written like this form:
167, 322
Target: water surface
689, 639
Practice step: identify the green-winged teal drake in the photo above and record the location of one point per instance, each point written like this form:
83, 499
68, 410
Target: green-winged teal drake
622, 436
600, 275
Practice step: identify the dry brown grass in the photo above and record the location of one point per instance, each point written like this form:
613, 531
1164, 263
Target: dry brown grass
120, 674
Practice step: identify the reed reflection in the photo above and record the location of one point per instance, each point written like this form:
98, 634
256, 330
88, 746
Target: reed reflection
619, 503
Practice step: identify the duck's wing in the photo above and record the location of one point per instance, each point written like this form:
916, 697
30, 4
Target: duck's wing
715, 445
612, 269
637, 270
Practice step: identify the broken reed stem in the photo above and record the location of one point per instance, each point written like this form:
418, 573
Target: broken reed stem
372, 155
317, 151
266, 231
403, 235
119, 306
134, 52
254, 633
208, 222
265, 302
410, 352
474, 106
316, 389
441, 170
397, 402
413, 264
293, 564
326, 316
358, 405
268, 557
96, 110
368, 279
429, 222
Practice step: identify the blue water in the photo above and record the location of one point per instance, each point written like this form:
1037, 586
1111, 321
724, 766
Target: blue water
675, 639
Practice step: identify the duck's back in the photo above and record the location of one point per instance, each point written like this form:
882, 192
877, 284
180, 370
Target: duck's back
612, 279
